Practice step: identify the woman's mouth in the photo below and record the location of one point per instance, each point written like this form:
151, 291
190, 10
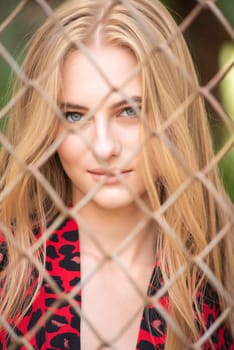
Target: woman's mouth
109, 175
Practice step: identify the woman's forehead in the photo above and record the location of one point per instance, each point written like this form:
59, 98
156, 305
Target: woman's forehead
106, 68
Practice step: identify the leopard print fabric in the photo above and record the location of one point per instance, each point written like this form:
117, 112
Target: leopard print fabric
62, 329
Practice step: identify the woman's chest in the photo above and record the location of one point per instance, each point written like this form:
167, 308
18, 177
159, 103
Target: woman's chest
112, 309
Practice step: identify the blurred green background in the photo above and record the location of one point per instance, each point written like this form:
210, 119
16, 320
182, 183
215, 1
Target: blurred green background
210, 44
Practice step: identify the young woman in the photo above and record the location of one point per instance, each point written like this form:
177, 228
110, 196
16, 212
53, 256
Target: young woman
109, 133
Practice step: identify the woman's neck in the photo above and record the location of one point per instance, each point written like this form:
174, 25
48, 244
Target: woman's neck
111, 229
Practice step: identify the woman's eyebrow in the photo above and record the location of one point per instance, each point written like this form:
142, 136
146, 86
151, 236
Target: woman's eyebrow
69, 105
134, 99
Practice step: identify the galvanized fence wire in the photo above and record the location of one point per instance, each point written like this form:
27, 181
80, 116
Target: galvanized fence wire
156, 216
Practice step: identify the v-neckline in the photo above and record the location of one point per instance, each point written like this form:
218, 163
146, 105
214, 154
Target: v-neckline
152, 326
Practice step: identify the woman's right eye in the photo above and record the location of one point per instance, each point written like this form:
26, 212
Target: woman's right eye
73, 117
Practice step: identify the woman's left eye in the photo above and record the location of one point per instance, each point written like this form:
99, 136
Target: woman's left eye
129, 112
73, 116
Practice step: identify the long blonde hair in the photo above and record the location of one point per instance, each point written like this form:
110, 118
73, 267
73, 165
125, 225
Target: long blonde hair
169, 81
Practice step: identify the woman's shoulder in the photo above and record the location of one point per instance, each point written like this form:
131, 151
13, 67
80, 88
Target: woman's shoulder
67, 228
210, 308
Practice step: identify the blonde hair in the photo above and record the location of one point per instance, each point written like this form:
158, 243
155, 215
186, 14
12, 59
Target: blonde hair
168, 80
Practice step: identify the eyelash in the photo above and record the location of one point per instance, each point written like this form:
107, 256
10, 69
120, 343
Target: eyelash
70, 114
132, 109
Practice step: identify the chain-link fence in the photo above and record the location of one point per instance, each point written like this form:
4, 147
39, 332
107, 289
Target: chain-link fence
112, 188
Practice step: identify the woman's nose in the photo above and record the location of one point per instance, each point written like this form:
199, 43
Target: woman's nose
105, 143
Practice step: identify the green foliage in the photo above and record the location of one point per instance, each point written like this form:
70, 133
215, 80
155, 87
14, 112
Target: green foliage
226, 90
227, 8
227, 173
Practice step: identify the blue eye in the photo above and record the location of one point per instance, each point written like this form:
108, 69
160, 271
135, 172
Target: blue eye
73, 117
129, 112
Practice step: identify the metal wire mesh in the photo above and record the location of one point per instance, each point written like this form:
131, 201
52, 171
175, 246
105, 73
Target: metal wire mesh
157, 216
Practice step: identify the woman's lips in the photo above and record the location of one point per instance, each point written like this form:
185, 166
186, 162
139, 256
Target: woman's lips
108, 175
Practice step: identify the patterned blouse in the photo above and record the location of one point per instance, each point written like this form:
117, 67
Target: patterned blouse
62, 329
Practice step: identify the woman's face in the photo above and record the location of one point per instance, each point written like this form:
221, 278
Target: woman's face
113, 131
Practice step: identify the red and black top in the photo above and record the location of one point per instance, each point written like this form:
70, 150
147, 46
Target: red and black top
62, 329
